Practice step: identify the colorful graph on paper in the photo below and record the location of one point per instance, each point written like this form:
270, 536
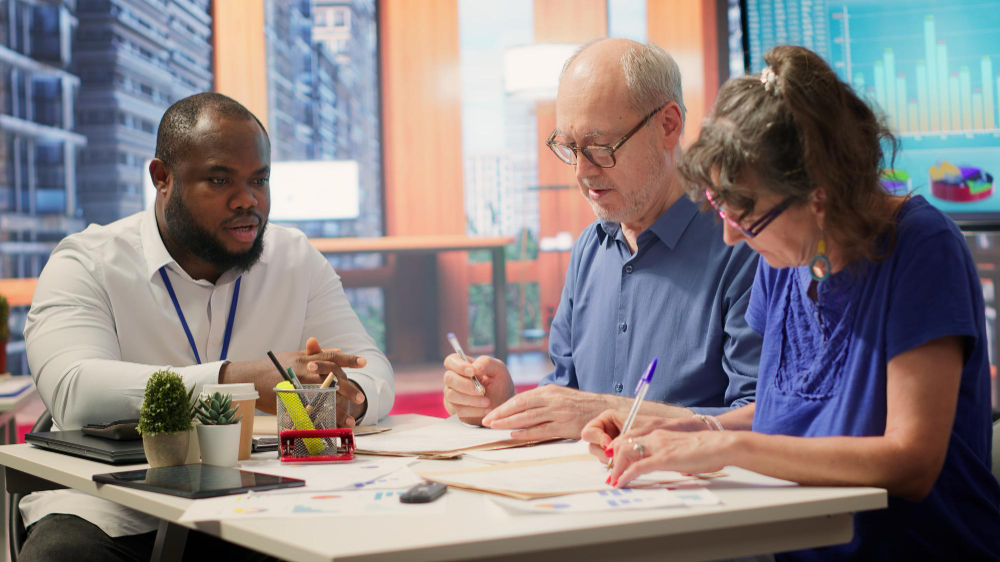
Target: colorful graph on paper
932, 68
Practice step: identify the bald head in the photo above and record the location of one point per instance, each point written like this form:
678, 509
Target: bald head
615, 70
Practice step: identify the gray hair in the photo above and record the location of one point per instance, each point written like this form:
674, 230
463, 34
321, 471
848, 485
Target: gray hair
651, 76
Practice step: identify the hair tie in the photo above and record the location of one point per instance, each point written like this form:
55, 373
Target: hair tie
770, 80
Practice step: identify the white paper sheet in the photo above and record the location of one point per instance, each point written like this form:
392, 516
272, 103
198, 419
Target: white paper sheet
565, 475
444, 436
360, 473
609, 500
532, 453
316, 504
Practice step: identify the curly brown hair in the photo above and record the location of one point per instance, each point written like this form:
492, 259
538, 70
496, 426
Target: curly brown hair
803, 130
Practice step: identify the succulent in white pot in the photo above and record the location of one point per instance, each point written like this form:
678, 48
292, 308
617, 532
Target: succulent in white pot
219, 430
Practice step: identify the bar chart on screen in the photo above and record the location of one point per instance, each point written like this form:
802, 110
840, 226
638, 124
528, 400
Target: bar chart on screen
931, 67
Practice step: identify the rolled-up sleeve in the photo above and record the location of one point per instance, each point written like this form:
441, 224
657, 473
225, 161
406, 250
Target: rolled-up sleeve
73, 349
741, 344
561, 331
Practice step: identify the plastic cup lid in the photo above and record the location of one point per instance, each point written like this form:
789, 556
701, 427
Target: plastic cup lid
240, 391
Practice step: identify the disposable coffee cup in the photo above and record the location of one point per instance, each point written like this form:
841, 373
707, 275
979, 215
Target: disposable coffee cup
244, 400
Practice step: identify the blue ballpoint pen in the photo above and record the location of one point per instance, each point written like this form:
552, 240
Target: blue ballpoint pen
640, 393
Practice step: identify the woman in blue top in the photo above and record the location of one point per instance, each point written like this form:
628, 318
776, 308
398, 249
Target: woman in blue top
874, 368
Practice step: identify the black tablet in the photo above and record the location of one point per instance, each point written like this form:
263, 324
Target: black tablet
197, 480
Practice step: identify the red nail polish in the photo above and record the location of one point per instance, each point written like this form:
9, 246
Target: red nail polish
615, 483
609, 452
608, 481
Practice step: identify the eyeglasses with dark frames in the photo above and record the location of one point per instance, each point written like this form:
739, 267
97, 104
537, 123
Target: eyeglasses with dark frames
758, 225
600, 156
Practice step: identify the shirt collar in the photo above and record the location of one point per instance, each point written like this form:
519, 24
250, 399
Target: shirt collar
153, 248
672, 224
668, 227
156, 252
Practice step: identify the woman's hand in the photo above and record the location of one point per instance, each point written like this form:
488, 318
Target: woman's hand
602, 431
686, 452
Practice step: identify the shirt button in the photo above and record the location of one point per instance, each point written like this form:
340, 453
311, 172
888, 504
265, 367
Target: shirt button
623, 326
628, 268
619, 387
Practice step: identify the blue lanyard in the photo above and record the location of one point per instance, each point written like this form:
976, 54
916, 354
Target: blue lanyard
187, 331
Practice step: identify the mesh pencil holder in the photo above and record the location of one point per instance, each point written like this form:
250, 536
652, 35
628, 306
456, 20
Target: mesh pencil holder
307, 425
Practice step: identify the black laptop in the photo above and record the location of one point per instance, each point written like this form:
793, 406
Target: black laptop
74, 442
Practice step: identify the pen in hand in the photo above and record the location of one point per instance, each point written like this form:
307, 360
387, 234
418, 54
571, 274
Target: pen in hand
458, 349
640, 394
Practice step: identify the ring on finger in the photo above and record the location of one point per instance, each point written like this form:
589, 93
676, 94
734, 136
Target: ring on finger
637, 447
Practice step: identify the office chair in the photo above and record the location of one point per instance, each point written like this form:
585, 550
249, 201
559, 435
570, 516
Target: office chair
16, 533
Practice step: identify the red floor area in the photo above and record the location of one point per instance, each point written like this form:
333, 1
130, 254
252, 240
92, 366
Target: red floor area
429, 403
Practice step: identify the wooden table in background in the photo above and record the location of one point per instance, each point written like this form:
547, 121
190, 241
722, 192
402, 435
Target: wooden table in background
412, 328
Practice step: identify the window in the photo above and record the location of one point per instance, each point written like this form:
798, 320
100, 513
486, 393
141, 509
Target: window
500, 154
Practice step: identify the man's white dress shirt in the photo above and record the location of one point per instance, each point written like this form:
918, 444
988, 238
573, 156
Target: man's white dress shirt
101, 322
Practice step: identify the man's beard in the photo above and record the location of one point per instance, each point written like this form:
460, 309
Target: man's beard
203, 244
636, 204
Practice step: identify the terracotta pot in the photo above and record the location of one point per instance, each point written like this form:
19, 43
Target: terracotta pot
166, 449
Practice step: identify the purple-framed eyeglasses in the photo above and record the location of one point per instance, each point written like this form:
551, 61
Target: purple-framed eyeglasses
754, 229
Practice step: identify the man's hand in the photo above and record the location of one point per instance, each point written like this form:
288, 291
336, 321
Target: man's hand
323, 362
547, 412
460, 394
311, 365
603, 431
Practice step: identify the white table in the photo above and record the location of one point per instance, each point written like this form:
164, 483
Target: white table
9, 406
750, 521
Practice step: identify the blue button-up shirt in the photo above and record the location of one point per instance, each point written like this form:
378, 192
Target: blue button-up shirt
681, 297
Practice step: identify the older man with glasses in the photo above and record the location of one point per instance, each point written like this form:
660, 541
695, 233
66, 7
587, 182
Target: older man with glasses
650, 278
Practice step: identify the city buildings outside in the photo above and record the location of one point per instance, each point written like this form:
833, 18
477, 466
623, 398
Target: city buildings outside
39, 144
84, 83
134, 58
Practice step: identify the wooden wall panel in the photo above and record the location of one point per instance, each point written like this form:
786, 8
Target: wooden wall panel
240, 53
570, 21
560, 210
422, 150
688, 30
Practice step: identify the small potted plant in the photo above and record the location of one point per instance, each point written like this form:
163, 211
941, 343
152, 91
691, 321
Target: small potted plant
219, 432
165, 419
4, 332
